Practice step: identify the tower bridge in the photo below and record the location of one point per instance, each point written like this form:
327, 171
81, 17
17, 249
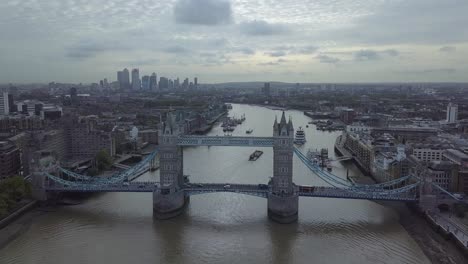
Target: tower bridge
172, 192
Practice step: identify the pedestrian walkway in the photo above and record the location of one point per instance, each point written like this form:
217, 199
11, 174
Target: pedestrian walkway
451, 225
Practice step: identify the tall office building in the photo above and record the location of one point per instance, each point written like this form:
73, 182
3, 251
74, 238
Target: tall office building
266, 89
4, 103
171, 84
153, 82
185, 85
145, 83
452, 113
195, 82
123, 77
163, 83
177, 83
136, 83
120, 76
126, 78
11, 103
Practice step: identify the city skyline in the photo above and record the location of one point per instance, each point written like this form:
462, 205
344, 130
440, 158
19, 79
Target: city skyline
226, 41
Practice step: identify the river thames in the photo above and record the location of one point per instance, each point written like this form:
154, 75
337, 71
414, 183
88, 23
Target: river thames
222, 227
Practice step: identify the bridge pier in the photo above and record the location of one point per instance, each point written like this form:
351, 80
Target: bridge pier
283, 209
166, 206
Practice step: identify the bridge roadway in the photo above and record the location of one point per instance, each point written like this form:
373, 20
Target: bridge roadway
259, 190
225, 141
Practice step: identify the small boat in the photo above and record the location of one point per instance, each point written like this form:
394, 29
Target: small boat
254, 156
249, 131
228, 129
300, 137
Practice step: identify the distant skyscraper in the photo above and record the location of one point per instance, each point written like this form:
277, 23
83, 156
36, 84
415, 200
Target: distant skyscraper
176, 83
73, 96
145, 83
452, 113
266, 89
153, 82
171, 84
136, 83
4, 103
120, 76
185, 85
163, 83
11, 103
123, 77
195, 81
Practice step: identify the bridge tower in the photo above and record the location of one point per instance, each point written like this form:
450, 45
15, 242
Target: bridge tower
427, 198
283, 198
39, 165
169, 200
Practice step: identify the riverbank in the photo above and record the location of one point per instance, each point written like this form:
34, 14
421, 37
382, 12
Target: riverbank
16, 223
434, 245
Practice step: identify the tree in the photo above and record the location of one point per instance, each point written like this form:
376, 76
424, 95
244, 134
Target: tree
103, 160
12, 190
3, 207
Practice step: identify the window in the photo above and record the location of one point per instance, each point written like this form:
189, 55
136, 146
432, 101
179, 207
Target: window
168, 155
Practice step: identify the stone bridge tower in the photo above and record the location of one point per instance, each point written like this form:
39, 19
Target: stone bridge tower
283, 198
169, 200
427, 198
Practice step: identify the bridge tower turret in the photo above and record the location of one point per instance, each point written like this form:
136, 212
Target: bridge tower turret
427, 198
283, 198
169, 200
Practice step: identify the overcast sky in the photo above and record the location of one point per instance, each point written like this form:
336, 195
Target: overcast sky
235, 40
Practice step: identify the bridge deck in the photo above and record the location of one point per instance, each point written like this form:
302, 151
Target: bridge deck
225, 141
259, 190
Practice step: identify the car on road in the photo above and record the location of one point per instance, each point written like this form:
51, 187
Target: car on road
227, 186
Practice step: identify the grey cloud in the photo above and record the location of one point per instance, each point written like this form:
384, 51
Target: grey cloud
402, 22
217, 60
276, 53
284, 50
429, 71
272, 63
370, 55
327, 59
207, 54
203, 12
263, 28
448, 49
176, 49
307, 50
87, 49
391, 52
246, 51
366, 55
142, 62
